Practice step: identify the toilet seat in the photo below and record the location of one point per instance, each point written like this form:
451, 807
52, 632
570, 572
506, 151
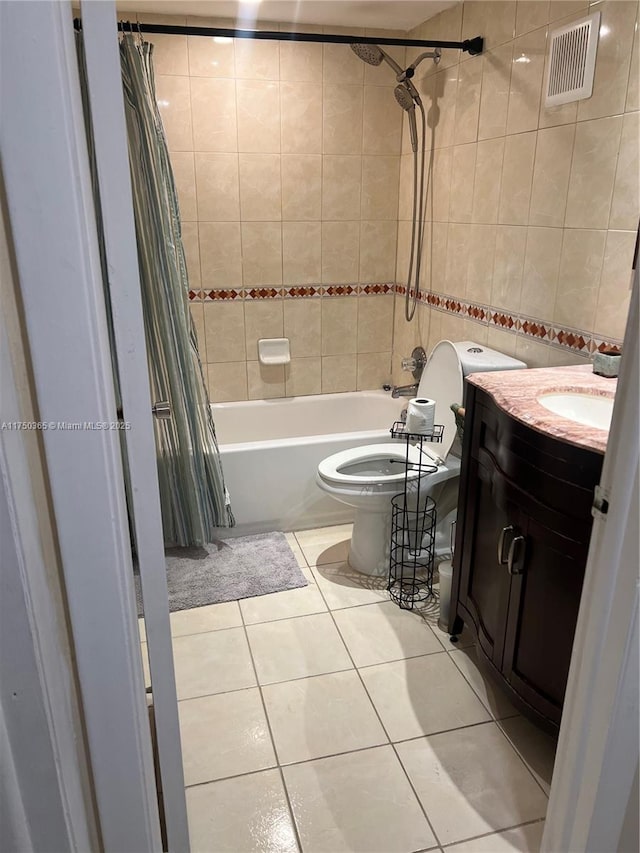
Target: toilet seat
332, 469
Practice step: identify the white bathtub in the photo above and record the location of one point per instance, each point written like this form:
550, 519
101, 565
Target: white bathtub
271, 449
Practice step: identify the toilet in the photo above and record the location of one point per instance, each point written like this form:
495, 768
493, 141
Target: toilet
366, 478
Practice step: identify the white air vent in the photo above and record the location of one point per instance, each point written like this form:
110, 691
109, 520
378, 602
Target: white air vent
572, 61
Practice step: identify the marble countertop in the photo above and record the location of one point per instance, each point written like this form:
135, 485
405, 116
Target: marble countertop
516, 391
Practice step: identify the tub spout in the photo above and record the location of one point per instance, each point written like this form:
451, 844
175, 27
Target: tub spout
404, 390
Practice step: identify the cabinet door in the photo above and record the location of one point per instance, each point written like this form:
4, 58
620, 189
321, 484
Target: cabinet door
492, 519
543, 610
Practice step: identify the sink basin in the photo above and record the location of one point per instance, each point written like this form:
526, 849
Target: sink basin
588, 409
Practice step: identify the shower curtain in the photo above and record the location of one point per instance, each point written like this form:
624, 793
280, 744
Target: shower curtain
193, 495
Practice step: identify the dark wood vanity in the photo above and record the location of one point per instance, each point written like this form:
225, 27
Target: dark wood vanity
524, 522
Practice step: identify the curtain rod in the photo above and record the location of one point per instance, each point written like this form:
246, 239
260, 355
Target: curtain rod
473, 46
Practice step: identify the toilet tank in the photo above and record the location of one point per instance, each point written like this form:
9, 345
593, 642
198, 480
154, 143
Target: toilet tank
477, 358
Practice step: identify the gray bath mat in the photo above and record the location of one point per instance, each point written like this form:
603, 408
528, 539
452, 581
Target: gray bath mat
229, 569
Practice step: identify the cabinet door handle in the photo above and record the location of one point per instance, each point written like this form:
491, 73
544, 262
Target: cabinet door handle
503, 533
517, 569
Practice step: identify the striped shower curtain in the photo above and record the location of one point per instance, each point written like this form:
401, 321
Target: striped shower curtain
193, 495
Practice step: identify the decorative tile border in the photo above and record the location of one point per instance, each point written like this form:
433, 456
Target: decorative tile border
291, 291
576, 340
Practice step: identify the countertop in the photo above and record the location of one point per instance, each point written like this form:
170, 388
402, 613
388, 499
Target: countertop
516, 392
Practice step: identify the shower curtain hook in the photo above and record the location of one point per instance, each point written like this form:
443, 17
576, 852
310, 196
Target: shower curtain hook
140, 36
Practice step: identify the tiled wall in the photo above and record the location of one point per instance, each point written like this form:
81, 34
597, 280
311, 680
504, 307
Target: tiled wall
287, 160
530, 243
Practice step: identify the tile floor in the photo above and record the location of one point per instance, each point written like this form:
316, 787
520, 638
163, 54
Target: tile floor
325, 719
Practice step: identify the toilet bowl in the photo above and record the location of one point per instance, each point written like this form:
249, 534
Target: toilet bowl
367, 478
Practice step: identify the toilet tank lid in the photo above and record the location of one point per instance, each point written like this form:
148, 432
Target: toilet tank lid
477, 358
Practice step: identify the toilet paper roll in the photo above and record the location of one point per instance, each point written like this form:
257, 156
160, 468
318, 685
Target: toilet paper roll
420, 415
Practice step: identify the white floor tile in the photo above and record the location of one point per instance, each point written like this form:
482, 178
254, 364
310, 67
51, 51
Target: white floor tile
471, 782
536, 748
248, 814
212, 663
342, 586
423, 695
211, 617
320, 716
490, 694
356, 802
297, 551
294, 648
464, 639
326, 544
383, 632
284, 605
523, 839
224, 735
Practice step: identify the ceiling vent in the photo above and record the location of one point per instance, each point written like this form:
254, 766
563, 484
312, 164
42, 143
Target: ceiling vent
572, 61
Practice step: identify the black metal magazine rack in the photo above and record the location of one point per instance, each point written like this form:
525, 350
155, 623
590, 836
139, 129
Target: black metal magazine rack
413, 523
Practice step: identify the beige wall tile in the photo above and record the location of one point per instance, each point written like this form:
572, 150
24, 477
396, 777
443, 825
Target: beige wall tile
500, 22
533, 353
220, 255
303, 376
506, 287
633, 88
517, 177
301, 248
213, 107
382, 121
265, 381
402, 256
191, 247
561, 357
224, 332
217, 187
184, 175
382, 75
482, 244
593, 172
263, 318
261, 254
457, 260
339, 319
209, 58
501, 341
625, 205
169, 54
405, 187
260, 187
197, 315
375, 323
613, 60
227, 382
526, 81
452, 328
340, 251
562, 8
440, 102
552, 168
301, 106
373, 371
579, 279
174, 102
474, 19
342, 118
300, 62
302, 325
540, 274
338, 373
378, 240
468, 101
439, 240
614, 291
450, 29
340, 63
380, 187
301, 186
441, 182
486, 188
341, 183
463, 169
258, 116
257, 60
530, 15
474, 331
494, 98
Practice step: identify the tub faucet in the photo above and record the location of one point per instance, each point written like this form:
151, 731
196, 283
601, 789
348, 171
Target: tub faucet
404, 390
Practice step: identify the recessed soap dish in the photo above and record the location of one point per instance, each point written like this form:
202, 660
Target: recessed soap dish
274, 351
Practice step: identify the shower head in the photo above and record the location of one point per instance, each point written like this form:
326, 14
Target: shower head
406, 101
373, 55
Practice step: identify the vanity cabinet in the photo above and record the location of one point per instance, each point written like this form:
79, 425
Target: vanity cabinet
524, 522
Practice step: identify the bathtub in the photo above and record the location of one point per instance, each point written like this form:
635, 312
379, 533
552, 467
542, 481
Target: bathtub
270, 451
